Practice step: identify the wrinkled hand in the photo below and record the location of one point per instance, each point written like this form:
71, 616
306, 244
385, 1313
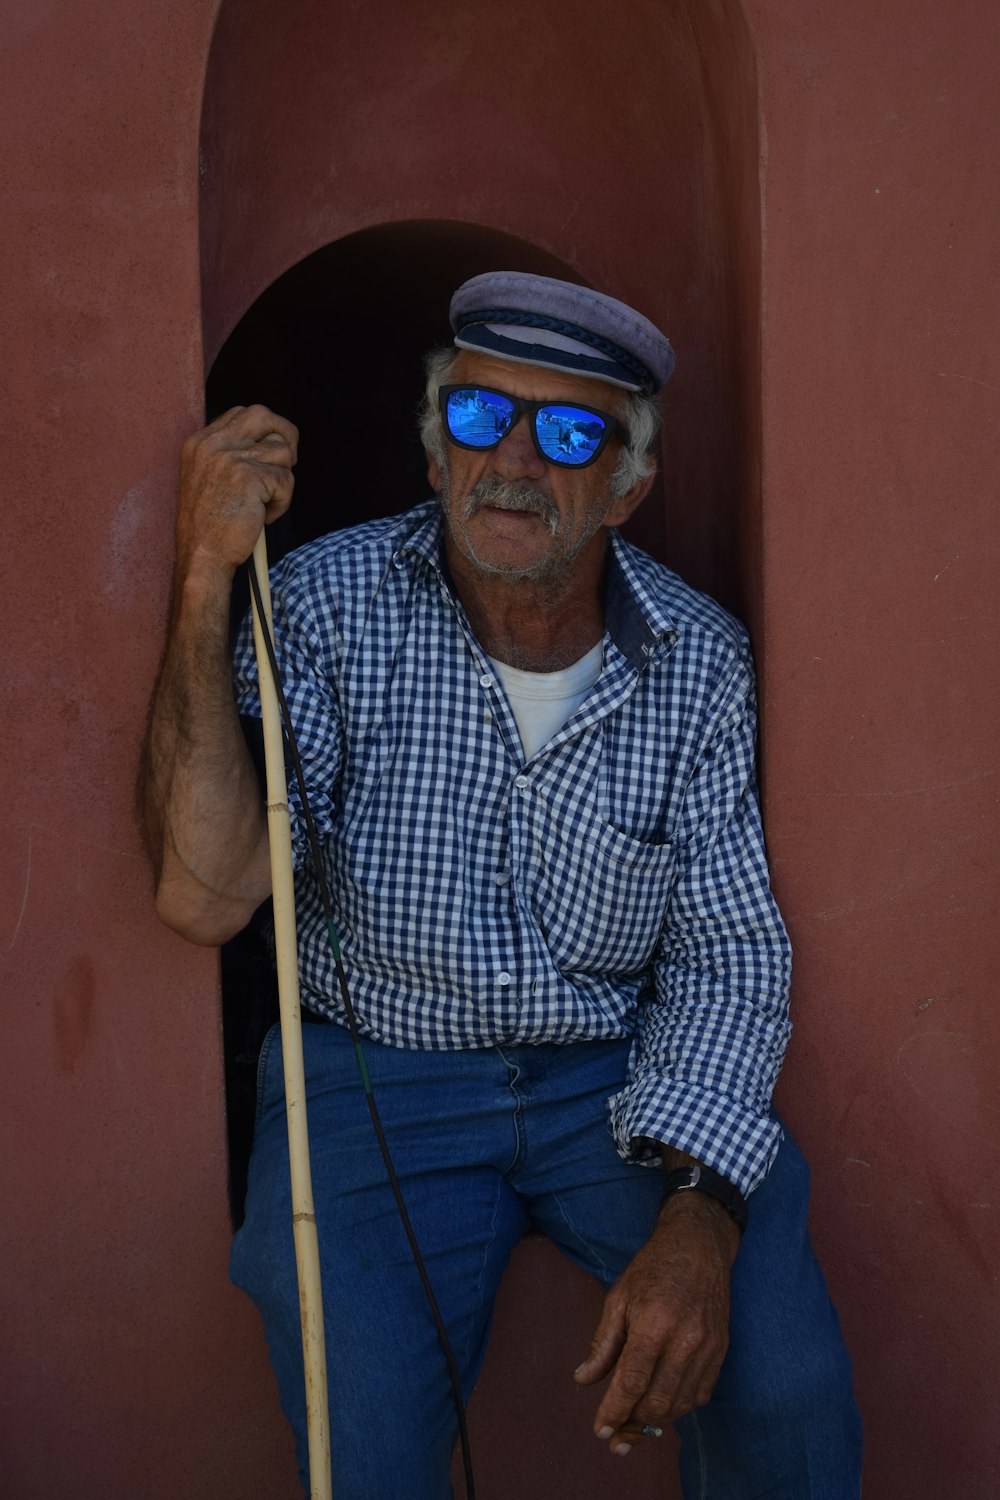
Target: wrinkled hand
236, 476
664, 1330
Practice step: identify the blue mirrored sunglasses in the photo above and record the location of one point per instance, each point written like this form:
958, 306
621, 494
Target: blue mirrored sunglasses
477, 417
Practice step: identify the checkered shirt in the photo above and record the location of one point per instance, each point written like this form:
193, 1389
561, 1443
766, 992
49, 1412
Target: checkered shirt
614, 884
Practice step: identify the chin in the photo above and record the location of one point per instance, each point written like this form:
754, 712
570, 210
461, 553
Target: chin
515, 570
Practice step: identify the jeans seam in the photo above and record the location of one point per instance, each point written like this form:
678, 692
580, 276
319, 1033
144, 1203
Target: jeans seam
484, 1261
265, 1052
702, 1467
591, 1250
518, 1118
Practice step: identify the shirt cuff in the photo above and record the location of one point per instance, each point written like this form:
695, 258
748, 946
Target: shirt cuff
714, 1129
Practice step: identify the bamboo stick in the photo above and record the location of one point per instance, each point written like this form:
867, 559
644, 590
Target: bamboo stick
286, 952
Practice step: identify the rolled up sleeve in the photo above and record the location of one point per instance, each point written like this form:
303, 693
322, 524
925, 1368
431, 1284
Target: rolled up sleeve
714, 1028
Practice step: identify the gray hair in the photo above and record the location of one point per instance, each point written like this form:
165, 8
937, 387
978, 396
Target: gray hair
640, 414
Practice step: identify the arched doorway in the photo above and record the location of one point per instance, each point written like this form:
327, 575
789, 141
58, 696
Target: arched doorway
350, 322
382, 153
622, 146
353, 317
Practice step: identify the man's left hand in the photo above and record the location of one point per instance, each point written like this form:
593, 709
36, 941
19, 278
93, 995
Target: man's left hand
664, 1330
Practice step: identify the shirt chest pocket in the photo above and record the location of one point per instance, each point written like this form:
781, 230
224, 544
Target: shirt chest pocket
601, 900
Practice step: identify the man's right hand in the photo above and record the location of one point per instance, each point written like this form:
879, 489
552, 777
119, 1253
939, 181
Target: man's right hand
202, 815
236, 476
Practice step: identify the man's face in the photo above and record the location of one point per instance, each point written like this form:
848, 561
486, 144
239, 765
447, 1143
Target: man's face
510, 513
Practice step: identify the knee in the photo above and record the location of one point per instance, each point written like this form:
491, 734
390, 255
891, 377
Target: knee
810, 1377
786, 1427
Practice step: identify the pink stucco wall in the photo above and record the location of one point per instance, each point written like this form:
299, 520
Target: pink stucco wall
803, 196
881, 383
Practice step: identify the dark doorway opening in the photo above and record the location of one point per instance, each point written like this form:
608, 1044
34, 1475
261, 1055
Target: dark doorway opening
336, 344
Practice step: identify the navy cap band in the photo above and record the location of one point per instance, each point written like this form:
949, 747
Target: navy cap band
632, 369
561, 325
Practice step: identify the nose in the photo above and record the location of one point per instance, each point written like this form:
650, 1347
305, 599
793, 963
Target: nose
515, 456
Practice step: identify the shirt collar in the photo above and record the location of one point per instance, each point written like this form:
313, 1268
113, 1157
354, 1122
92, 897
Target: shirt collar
636, 620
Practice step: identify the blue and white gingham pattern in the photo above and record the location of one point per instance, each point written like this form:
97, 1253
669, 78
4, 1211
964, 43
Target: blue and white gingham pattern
614, 884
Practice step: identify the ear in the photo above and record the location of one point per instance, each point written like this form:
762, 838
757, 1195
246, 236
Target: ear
433, 472
622, 508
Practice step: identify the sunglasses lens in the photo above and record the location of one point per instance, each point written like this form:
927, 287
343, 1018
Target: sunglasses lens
568, 434
478, 418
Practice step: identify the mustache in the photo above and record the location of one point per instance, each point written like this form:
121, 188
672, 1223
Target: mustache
505, 494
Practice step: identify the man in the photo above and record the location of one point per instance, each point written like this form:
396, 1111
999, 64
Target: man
529, 751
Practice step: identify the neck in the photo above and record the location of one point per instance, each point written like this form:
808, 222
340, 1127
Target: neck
537, 626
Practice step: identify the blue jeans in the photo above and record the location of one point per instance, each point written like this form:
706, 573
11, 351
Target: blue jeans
489, 1144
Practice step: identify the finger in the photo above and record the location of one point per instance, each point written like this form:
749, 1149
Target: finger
684, 1378
637, 1432
674, 1376
607, 1344
624, 1440
280, 484
248, 425
271, 450
639, 1428
697, 1382
629, 1384
656, 1408
259, 422
279, 501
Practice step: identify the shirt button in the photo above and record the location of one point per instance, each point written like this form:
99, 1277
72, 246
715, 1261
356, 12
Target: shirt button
503, 978
397, 562
521, 782
486, 680
502, 878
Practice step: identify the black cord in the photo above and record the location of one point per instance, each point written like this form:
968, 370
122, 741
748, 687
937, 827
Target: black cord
352, 1022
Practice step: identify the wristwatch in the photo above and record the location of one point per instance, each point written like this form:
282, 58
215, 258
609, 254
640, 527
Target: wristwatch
704, 1180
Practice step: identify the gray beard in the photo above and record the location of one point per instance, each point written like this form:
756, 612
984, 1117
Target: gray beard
503, 494
550, 575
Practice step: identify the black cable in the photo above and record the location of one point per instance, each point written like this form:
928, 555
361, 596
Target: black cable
352, 1022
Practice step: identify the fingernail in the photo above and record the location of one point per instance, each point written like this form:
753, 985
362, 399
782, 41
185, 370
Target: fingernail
622, 1449
579, 1368
605, 1432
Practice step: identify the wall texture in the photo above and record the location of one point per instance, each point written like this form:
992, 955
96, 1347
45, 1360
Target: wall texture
881, 385
125, 1370
803, 195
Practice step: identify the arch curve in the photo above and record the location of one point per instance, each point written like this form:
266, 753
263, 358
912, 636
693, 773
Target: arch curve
620, 144
359, 161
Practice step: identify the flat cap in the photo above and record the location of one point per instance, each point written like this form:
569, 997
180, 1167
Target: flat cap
537, 320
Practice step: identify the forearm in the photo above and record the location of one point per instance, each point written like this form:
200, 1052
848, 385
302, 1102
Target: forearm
200, 803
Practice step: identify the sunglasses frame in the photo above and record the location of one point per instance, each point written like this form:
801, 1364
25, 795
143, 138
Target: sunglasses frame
612, 426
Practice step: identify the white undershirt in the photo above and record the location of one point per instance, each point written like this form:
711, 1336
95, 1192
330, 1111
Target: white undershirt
544, 701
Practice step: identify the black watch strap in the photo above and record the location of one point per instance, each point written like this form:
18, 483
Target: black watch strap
703, 1180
